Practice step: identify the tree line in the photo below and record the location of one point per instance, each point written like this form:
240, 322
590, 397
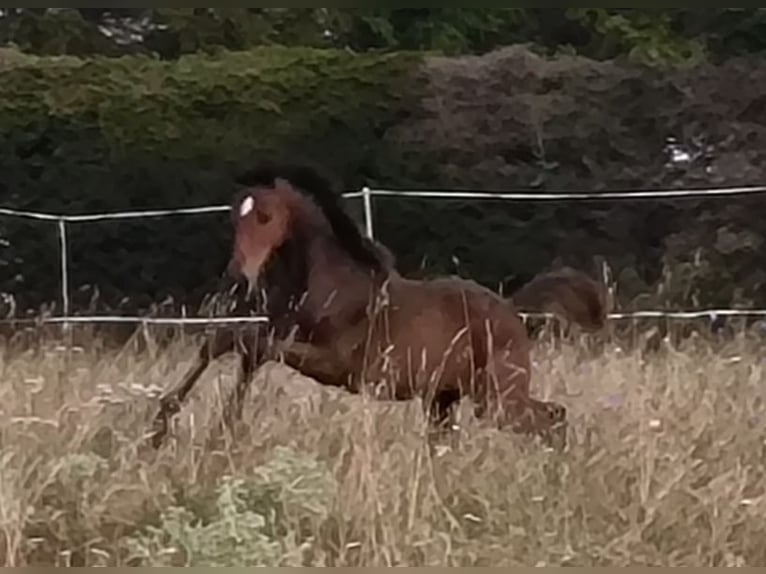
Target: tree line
657, 36
96, 121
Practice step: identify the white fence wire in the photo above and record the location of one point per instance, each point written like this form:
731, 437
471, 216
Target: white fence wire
63, 221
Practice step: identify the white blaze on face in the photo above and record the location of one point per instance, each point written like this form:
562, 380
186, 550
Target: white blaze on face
246, 206
252, 254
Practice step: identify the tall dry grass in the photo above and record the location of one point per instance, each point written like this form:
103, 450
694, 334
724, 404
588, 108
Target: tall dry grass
665, 466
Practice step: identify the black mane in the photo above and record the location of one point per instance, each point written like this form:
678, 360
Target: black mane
311, 181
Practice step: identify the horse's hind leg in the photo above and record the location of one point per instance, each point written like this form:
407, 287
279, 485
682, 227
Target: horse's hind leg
440, 409
547, 419
170, 403
504, 396
440, 412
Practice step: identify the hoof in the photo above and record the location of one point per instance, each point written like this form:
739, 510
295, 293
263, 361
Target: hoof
556, 436
557, 413
168, 408
157, 436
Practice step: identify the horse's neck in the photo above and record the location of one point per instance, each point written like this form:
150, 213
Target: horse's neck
317, 286
337, 285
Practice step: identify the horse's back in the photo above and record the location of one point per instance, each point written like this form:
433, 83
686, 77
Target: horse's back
449, 324
457, 300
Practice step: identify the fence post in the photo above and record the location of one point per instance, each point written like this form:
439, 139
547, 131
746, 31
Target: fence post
367, 198
64, 252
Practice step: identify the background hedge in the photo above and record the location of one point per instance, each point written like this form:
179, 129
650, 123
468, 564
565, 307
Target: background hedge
80, 136
107, 134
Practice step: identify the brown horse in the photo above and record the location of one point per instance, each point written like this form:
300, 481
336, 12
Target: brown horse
341, 314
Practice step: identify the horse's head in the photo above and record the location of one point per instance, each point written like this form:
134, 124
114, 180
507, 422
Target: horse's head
293, 204
262, 220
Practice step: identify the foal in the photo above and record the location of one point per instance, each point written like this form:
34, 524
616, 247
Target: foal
342, 315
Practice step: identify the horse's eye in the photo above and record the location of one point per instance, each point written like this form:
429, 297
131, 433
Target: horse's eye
262, 216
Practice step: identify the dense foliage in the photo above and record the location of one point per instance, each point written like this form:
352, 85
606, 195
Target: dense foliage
512, 120
647, 35
104, 135
136, 108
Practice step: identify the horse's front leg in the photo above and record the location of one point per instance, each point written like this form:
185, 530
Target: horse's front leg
252, 352
170, 402
310, 360
315, 362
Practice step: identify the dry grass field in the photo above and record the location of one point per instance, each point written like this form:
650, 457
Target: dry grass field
665, 466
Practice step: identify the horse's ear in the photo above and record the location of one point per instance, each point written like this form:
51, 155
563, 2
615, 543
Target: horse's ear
262, 174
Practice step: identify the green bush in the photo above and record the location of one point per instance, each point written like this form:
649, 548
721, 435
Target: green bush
88, 135
512, 120
252, 521
112, 134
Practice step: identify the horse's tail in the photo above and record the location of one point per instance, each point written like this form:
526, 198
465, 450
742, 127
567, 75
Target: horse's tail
568, 293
